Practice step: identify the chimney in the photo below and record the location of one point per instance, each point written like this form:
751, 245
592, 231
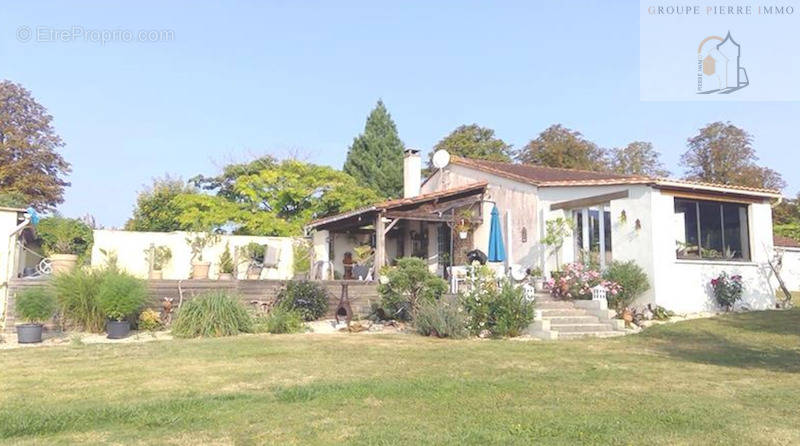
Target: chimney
412, 173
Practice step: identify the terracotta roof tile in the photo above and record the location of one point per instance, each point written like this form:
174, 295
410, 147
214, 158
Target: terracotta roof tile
552, 176
784, 242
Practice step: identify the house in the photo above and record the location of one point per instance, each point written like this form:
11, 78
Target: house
681, 233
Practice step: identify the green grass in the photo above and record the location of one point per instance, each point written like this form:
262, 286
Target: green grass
729, 380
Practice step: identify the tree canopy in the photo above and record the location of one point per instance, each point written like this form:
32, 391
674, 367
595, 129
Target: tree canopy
31, 169
476, 142
637, 158
558, 146
723, 153
155, 209
270, 197
375, 158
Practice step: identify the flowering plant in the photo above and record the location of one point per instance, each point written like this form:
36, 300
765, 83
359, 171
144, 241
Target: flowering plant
727, 289
576, 281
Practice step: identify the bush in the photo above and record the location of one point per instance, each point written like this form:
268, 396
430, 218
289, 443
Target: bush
501, 310
632, 281
308, 299
76, 293
409, 284
442, 318
121, 295
576, 281
149, 320
226, 261
61, 235
36, 305
279, 321
727, 290
212, 314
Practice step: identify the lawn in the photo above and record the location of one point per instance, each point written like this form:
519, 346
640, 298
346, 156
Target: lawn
728, 380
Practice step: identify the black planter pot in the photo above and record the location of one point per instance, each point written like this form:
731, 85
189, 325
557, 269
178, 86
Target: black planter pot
118, 329
29, 333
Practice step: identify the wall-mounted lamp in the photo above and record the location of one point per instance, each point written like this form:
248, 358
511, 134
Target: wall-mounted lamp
524, 235
638, 225
623, 217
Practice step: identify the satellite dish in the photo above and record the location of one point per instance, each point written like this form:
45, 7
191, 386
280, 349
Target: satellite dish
441, 159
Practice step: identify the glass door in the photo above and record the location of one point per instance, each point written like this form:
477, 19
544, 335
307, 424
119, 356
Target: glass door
593, 235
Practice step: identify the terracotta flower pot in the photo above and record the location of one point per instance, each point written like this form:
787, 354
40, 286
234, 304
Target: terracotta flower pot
156, 274
225, 276
200, 270
63, 263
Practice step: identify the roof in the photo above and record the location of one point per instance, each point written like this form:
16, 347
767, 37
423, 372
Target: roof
3, 208
784, 242
402, 202
551, 177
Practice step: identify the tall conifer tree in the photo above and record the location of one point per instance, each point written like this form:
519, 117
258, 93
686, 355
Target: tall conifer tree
375, 159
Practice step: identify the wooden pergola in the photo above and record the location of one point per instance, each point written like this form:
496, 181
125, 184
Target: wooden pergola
435, 207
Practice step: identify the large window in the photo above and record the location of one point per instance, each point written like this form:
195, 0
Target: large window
711, 230
588, 239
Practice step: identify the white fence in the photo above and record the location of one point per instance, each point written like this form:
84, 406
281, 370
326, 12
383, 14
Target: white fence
129, 248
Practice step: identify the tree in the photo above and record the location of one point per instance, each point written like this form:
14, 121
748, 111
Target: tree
267, 197
637, 158
375, 158
474, 141
558, 146
156, 209
30, 166
723, 153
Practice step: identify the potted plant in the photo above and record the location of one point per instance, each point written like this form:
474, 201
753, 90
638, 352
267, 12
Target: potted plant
120, 297
361, 257
35, 306
157, 257
464, 223
198, 244
226, 264
64, 241
253, 253
538, 279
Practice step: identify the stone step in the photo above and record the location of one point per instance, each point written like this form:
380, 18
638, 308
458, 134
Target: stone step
573, 319
549, 305
589, 334
550, 312
580, 328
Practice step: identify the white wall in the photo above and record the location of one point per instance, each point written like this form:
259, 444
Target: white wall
790, 272
683, 285
129, 247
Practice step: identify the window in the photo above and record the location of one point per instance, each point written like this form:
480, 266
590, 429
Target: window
711, 230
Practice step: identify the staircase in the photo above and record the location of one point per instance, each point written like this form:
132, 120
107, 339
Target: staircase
573, 319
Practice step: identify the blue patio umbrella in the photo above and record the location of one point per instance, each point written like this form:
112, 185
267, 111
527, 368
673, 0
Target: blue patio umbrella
497, 252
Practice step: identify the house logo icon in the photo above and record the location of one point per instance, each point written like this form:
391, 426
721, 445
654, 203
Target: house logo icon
719, 69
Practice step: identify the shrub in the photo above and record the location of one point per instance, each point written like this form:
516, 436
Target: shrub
36, 305
226, 261
632, 282
158, 255
212, 314
511, 313
407, 285
308, 299
149, 320
76, 293
576, 281
121, 295
442, 318
61, 235
727, 289
279, 321
501, 310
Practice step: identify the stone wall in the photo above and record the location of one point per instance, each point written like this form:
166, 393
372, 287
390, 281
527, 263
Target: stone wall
362, 294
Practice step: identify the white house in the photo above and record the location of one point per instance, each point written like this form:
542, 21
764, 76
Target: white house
681, 233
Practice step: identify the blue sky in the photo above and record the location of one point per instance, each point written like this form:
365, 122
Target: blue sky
287, 77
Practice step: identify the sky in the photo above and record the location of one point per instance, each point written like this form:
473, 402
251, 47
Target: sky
235, 80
